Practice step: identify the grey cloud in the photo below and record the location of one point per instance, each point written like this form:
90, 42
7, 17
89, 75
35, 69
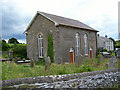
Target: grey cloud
12, 20
109, 27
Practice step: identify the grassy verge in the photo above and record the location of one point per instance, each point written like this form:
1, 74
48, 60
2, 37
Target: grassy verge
10, 70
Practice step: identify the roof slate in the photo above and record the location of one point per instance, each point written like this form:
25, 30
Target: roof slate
66, 21
105, 39
101, 41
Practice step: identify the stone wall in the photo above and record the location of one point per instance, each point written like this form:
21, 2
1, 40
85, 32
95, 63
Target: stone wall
104, 78
43, 26
63, 40
68, 40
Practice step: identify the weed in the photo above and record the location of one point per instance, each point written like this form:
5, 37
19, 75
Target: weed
11, 70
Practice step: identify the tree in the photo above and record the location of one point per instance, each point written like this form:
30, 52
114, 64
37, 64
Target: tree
4, 41
13, 41
19, 51
113, 41
117, 43
50, 51
0, 45
5, 46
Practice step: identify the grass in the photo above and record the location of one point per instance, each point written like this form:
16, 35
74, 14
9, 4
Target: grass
113, 53
11, 70
16, 44
117, 43
5, 56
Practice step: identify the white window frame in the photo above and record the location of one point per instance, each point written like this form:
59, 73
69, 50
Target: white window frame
77, 44
40, 46
86, 44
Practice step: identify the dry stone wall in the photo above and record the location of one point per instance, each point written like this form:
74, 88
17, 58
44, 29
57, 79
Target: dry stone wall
104, 78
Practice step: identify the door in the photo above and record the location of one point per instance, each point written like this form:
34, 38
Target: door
90, 53
71, 55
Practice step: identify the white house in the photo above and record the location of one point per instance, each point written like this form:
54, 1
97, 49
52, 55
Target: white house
105, 43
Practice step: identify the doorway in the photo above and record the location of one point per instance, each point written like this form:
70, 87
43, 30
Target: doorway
71, 55
90, 53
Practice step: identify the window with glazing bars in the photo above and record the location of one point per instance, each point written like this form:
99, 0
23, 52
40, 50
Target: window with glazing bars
86, 44
40, 46
77, 43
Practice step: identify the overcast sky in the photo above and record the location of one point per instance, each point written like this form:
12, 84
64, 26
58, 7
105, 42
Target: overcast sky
102, 15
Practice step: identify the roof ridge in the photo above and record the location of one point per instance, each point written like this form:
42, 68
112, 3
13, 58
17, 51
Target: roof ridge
59, 16
60, 20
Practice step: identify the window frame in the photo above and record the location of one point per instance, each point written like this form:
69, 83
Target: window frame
77, 44
40, 46
86, 44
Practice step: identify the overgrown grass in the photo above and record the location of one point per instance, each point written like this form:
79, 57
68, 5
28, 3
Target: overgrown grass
96, 64
118, 63
10, 70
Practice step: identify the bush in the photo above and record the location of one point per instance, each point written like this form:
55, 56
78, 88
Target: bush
13, 41
50, 51
41, 61
104, 50
19, 51
83, 68
5, 56
5, 46
110, 52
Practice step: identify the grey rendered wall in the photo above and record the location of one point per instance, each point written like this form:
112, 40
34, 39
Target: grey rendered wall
63, 40
44, 26
67, 41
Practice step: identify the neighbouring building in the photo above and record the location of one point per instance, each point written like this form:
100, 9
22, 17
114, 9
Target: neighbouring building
105, 43
71, 38
118, 36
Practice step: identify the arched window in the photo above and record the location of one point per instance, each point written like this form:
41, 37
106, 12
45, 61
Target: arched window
77, 44
40, 46
86, 44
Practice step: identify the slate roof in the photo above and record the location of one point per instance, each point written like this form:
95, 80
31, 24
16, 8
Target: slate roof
66, 21
59, 20
101, 41
105, 39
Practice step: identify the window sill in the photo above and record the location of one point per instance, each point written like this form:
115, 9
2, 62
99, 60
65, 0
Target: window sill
41, 57
86, 54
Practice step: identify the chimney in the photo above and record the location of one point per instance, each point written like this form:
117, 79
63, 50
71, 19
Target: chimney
98, 35
106, 36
